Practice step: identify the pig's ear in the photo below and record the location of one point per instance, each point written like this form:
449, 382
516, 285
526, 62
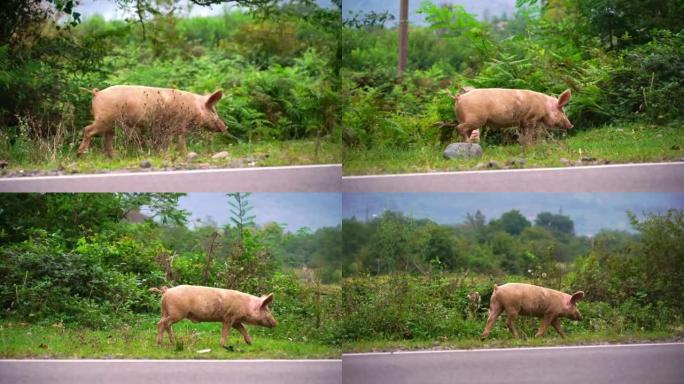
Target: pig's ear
266, 300
213, 98
564, 98
576, 297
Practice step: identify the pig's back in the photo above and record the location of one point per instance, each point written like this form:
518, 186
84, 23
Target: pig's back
133, 102
500, 106
526, 299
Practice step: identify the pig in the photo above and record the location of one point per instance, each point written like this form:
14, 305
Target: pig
501, 108
531, 300
133, 105
205, 304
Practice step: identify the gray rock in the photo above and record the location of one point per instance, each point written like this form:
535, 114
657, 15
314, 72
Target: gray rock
191, 156
145, 164
462, 150
565, 161
220, 155
3, 164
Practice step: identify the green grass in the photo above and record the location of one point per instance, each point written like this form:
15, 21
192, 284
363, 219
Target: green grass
610, 144
584, 338
138, 340
34, 158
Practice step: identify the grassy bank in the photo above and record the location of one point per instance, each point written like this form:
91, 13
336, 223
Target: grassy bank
609, 144
137, 340
584, 338
261, 154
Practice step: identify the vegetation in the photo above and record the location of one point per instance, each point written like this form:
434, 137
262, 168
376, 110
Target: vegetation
80, 266
408, 280
622, 61
275, 63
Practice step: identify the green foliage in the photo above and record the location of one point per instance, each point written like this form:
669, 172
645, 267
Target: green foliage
394, 242
559, 45
277, 74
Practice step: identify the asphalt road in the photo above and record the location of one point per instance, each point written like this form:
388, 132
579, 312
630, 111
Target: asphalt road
308, 178
647, 177
610, 364
170, 371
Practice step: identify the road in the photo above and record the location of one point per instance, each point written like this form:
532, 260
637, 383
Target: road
308, 178
170, 371
647, 177
610, 364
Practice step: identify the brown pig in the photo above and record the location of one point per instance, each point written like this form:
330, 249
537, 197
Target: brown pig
501, 108
530, 300
134, 105
205, 304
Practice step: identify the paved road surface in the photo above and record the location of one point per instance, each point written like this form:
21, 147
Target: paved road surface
170, 371
308, 178
649, 177
616, 364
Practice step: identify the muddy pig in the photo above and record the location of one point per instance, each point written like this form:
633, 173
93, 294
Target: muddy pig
530, 300
134, 105
205, 304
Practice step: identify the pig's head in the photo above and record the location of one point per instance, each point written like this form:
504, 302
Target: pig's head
555, 115
261, 314
570, 309
211, 119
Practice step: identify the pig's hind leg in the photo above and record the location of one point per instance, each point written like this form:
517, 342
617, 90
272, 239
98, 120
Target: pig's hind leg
108, 143
88, 133
494, 312
243, 331
510, 322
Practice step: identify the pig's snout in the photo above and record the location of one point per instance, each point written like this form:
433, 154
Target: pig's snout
273, 323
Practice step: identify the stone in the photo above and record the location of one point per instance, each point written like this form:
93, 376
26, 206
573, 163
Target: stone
3, 164
190, 157
462, 150
145, 164
565, 161
220, 155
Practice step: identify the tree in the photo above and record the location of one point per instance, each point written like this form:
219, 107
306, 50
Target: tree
512, 222
241, 217
559, 224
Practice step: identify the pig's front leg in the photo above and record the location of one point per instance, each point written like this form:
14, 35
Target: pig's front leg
546, 321
225, 331
557, 325
245, 334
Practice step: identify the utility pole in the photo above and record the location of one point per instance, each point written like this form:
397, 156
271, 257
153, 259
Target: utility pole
403, 34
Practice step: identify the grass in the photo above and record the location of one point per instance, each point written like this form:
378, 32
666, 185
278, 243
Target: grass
610, 144
138, 341
583, 338
32, 158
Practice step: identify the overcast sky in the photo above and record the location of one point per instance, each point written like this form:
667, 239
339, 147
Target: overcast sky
297, 210
109, 10
476, 7
591, 212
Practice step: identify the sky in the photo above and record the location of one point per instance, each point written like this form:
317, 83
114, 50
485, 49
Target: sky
477, 7
591, 212
297, 210
109, 10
